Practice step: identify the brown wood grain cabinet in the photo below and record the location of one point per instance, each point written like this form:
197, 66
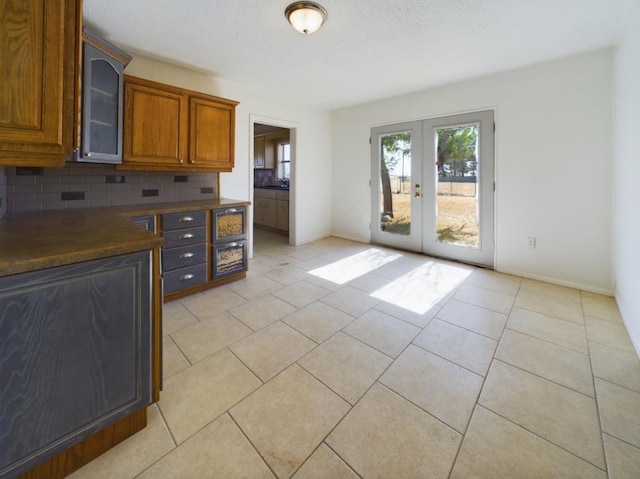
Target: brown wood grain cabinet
170, 128
40, 69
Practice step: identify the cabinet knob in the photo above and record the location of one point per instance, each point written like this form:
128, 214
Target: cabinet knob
181, 161
192, 162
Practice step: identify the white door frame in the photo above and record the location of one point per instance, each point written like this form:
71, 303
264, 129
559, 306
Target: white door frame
422, 237
293, 127
413, 240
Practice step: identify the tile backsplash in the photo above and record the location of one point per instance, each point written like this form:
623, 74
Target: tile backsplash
264, 176
83, 185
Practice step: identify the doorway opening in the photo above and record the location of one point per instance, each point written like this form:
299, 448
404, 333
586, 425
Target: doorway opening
273, 157
432, 189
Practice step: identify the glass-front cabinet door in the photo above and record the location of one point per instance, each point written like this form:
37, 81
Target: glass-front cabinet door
102, 101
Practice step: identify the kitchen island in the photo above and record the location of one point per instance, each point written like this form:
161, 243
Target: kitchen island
80, 330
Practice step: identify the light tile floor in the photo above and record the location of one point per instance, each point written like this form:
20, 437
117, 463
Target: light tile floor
343, 360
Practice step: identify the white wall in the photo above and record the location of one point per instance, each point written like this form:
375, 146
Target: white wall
626, 231
553, 163
311, 190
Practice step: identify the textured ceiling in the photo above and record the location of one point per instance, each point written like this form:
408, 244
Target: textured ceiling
366, 50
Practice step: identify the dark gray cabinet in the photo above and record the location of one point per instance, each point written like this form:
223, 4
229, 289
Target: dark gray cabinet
146, 222
75, 354
102, 100
184, 255
229, 241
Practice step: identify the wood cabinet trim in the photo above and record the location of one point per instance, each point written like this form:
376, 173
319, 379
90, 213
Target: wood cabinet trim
51, 100
199, 148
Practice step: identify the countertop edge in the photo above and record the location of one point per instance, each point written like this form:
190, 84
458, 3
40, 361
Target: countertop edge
65, 237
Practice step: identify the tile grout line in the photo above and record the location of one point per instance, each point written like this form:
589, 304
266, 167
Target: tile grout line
484, 380
393, 360
595, 393
250, 442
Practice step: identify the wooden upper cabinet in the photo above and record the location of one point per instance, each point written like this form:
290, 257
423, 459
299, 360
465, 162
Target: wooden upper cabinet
170, 128
211, 134
155, 125
40, 43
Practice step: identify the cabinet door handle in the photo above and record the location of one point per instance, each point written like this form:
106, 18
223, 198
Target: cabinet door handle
186, 277
186, 255
185, 219
231, 245
231, 210
186, 236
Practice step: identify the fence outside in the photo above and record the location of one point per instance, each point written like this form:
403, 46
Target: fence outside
447, 185
458, 186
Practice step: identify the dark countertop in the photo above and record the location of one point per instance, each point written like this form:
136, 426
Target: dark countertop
44, 239
177, 207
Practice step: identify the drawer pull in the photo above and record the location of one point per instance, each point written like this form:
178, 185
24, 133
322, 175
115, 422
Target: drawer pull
185, 219
186, 255
186, 277
186, 236
231, 210
232, 245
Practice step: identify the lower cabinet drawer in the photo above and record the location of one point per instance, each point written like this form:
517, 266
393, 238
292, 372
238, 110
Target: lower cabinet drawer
185, 237
175, 258
229, 258
189, 219
184, 277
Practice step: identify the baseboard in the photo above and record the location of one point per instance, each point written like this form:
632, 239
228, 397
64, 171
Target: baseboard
351, 238
633, 333
312, 239
560, 282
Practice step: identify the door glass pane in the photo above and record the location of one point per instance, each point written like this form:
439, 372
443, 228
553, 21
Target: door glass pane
395, 183
457, 219
104, 108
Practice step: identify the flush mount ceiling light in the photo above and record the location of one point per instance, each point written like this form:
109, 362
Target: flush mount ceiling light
306, 17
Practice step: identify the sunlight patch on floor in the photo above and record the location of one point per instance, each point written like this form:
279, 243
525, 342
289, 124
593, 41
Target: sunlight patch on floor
421, 289
347, 269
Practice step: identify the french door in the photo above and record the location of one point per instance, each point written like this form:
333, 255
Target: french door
432, 186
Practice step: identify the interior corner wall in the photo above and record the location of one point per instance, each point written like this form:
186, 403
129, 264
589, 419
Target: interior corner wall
311, 190
626, 230
553, 162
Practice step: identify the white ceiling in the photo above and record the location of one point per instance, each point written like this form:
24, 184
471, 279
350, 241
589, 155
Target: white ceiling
366, 50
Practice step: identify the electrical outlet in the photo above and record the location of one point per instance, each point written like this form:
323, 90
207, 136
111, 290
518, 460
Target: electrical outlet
531, 242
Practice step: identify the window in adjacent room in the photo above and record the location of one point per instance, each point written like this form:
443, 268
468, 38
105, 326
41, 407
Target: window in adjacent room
284, 161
